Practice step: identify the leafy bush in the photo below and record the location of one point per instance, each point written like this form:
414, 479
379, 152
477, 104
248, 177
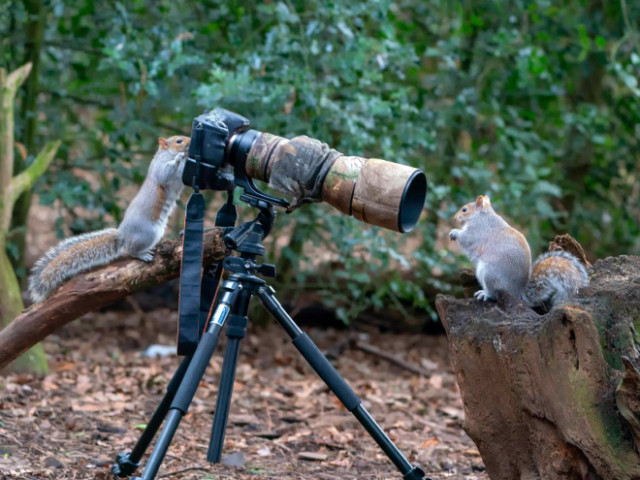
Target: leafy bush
535, 103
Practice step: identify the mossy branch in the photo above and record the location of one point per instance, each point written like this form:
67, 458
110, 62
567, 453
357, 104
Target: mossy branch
12, 187
9, 85
16, 78
25, 180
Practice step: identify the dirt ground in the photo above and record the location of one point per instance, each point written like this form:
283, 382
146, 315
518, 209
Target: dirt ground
284, 422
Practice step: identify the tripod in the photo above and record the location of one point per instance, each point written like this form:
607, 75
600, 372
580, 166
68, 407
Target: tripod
232, 304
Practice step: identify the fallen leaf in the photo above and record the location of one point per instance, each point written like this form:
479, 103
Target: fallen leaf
429, 442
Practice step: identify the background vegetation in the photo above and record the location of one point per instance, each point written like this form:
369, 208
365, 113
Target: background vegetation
536, 103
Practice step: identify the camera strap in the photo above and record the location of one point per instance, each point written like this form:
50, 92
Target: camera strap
191, 323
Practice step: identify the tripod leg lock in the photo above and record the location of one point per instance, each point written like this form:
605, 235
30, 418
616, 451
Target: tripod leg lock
124, 466
416, 473
237, 326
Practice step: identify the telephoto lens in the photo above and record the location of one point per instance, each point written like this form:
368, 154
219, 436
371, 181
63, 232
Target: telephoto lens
372, 190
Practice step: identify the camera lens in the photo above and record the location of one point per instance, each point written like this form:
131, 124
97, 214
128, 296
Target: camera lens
412, 201
374, 191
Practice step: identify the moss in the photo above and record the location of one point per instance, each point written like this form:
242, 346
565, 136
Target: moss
616, 338
34, 360
604, 423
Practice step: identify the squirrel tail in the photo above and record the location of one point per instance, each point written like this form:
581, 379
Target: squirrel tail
555, 277
70, 257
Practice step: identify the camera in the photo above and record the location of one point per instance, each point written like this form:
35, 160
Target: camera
210, 134
225, 153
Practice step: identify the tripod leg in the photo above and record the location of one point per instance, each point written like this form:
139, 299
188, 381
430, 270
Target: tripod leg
236, 330
128, 462
189, 384
337, 384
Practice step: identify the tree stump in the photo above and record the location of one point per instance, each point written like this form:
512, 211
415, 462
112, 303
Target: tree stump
553, 396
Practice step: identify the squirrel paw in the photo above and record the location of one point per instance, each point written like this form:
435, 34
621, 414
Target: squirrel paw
453, 234
175, 163
483, 296
146, 257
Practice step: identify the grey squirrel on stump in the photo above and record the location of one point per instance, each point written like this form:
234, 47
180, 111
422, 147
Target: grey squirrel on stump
502, 259
556, 395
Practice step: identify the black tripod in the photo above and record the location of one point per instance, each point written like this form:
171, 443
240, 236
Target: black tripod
232, 306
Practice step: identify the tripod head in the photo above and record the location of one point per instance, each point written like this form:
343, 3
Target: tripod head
246, 239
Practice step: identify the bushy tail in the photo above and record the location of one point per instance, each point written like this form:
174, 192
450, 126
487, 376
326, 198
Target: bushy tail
555, 277
70, 257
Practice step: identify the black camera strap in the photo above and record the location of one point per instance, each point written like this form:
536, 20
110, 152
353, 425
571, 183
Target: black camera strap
191, 323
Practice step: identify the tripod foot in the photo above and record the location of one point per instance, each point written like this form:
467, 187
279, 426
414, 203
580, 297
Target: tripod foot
124, 466
416, 473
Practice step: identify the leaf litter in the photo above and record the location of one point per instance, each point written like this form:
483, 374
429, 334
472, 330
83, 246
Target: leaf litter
284, 422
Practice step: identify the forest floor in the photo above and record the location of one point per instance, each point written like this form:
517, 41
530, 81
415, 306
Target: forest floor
284, 423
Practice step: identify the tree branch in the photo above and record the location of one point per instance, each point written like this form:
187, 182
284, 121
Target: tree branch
98, 288
9, 85
16, 78
25, 180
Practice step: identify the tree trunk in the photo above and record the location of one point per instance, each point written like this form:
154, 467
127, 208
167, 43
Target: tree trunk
96, 289
553, 396
33, 45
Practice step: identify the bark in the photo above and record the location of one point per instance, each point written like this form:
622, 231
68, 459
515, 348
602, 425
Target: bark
98, 288
553, 396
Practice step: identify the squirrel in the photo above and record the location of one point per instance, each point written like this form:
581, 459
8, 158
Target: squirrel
502, 259
142, 227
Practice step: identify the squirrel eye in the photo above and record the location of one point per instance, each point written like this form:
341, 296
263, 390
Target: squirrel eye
179, 140
464, 209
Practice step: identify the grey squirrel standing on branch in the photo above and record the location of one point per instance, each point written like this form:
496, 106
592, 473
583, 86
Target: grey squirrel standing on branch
139, 232
502, 259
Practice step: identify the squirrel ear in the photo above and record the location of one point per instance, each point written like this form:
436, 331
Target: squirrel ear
486, 203
479, 201
163, 143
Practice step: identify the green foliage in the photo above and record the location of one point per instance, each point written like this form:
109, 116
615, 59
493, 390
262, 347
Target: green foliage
536, 103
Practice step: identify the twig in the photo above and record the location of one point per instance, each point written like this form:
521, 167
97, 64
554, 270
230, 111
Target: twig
281, 445
268, 410
188, 469
368, 348
335, 351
